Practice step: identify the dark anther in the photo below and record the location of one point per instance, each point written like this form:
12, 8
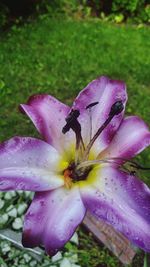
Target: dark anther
116, 108
91, 105
73, 115
65, 129
72, 122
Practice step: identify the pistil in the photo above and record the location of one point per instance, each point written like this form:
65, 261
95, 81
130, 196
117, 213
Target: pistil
116, 108
89, 108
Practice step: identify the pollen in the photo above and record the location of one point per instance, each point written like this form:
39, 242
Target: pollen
67, 178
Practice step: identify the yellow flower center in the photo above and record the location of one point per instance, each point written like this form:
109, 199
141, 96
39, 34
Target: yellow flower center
72, 174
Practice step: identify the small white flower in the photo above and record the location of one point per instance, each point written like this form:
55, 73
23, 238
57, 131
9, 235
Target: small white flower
9, 195
73, 257
9, 208
3, 219
65, 263
21, 208
57, 257
17, 224
1, 203
28, 194
6, 248
12, 213
74, 239
33, 263
27, 257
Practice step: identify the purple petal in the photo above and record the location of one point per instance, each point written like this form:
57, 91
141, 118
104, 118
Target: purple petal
28, 164
48, 115
52, 219
106, 92
124, 202
132, 137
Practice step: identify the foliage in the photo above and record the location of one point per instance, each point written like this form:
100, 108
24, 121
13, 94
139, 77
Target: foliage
3, 14
138, 10
127, 5
134, 8
115, 10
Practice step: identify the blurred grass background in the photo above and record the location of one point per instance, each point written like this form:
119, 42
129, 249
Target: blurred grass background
59, 56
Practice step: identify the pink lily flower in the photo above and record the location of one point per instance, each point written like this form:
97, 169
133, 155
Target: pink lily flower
79, 166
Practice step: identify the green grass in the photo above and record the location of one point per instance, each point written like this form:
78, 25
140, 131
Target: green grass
59, 57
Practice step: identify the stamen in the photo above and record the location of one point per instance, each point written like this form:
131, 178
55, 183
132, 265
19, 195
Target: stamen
89, 163
72, 123
116, 108
132, 163
89, 107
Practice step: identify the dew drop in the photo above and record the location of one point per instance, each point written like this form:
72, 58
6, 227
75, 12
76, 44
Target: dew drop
30, 214
112, 218
42, 203
21, 186
36, 186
